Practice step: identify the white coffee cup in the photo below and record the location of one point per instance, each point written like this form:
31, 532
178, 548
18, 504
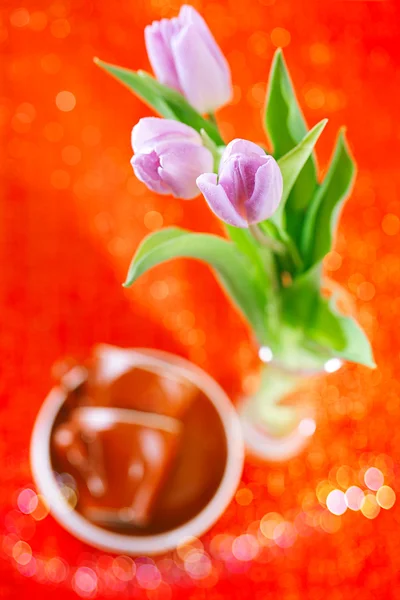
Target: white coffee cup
109, 541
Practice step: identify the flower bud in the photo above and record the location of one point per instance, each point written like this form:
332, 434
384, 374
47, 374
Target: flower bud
185, 56
248, 188
169, 156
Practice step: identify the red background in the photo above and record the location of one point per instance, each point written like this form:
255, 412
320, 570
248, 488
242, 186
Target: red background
71, 218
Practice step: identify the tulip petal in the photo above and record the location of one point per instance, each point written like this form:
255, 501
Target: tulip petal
146, 168
243, 147
237, 177
169, 28
180, 164
189, 16
267, 192
199, 73
152, 130
160, 55
218, 200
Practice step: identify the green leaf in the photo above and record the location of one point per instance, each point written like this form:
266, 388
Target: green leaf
284, 120
231, 266
248, 246
164, 100
286, 127
299, 299
342, 334
264, 269
291, 165
322, 215
304, 308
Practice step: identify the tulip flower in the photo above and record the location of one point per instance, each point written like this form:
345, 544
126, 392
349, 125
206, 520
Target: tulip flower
247, 189
169, 156
185, 56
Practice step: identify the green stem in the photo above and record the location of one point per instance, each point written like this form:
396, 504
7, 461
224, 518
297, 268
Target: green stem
291, 251
266, 240
294, 254
271, 268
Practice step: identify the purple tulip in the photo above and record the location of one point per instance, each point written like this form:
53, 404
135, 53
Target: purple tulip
248, 188
185, 56
169, 156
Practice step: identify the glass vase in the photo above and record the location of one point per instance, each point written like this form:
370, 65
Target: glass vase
278, 420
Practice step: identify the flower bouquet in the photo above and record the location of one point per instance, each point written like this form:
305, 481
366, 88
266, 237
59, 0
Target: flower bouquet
279, 218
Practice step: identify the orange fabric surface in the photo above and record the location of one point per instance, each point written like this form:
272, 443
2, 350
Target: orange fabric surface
72, 213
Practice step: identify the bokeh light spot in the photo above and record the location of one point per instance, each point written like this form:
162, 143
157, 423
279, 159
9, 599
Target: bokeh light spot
366, 291
27, 501
259, 43
370, 507
320, 54
391, 224
153, 220
65, 101
268, 524
329, 522
198, 565
42, 509
332, 365
307, 427
221, 546
28, 570
265, 354
244, 497
148, 576
285, 534
343, 476
60, 28
256, 94
385, 497
189, 545
56, 570
373, 478
354, 497
58, 8
22, 553
280, 37
314, 97
336, 502
84, 582
159, 290
19, 17
26, 112
323, 490
123, 568
333, 261
245, 547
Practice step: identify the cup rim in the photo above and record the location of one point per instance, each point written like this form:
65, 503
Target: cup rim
109, 541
